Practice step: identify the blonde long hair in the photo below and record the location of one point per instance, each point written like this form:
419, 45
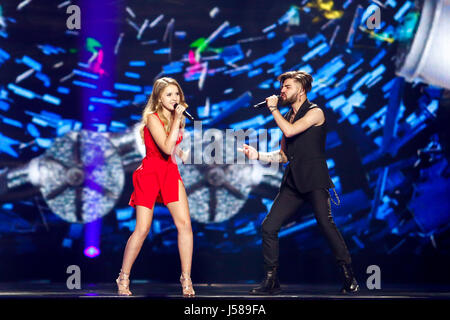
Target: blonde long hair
154, 106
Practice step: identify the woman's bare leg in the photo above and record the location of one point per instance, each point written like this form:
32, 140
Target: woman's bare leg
180, 213
143, 222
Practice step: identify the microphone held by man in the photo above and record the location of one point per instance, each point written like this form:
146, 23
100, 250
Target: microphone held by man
263, 103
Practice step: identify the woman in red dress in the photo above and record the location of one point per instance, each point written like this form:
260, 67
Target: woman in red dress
158, 180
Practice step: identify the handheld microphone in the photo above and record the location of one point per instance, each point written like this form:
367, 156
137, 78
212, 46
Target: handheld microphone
186, 114
263, 103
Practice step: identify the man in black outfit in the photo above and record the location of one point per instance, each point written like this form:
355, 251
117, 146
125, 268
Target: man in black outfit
306, 178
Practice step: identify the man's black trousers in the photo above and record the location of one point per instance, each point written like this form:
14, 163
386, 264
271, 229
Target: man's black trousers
288, 202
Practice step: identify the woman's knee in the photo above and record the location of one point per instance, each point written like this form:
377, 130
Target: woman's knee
183, 225
141, 232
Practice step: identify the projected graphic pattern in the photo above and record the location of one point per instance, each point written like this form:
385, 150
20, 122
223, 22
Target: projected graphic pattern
385, 156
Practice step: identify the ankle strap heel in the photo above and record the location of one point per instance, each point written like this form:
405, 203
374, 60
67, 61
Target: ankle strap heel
186, 285
123, 284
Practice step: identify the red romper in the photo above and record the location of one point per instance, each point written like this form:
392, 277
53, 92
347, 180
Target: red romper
157, 177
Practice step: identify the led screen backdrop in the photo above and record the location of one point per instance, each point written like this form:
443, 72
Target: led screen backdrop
71, 100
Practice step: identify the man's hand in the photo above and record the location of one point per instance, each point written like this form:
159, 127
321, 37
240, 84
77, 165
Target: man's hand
183, 155
249, 151
272, 102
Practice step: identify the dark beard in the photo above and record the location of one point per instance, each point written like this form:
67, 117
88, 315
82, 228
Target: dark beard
286, 102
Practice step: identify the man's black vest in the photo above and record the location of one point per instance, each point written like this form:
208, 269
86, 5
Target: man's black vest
306, 154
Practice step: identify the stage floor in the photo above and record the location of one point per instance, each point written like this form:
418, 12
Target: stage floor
215, 291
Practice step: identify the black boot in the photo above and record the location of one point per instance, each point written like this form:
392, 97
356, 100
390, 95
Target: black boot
350, 283
270, 284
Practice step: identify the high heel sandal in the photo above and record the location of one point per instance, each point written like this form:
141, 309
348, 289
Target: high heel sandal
123, 289
186, 285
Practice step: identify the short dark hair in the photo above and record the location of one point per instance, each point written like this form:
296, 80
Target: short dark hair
302, 77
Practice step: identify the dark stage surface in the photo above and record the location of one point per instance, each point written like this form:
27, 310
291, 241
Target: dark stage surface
218, 300
216, 291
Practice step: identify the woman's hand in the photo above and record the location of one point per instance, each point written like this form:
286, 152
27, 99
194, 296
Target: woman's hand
179, 111
249, 152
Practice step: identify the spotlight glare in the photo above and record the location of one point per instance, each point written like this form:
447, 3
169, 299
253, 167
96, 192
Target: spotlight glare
91, 252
